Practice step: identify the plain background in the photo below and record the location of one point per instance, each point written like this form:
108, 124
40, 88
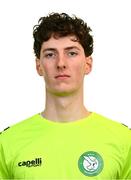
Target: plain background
107, 88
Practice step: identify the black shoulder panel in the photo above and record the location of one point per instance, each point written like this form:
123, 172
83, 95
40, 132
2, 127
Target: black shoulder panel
4, 130
126, 126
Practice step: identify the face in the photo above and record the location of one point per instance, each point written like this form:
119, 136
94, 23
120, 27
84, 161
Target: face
63, 65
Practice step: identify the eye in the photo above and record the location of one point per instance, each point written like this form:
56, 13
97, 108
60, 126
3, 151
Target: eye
49, 55
72, 53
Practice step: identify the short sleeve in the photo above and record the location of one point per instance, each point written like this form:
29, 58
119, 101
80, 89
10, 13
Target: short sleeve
126, 173
3, 166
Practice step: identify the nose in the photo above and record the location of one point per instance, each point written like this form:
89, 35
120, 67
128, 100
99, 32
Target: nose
61, 63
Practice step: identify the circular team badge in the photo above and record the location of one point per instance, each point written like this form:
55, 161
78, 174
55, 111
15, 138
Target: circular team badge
90, 163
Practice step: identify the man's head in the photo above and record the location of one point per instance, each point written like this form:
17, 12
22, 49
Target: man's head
61, 25
63, 47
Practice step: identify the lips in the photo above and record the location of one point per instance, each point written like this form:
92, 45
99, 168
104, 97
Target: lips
62, 76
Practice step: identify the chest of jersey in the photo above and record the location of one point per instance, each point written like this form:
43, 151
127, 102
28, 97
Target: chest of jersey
67, 153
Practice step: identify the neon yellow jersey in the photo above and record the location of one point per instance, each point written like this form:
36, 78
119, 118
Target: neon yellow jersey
91, 148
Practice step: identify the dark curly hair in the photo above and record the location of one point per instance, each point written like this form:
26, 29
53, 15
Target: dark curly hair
60, 25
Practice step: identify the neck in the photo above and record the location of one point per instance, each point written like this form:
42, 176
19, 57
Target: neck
64, 108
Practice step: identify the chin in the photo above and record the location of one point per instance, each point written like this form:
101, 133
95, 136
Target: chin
63, 93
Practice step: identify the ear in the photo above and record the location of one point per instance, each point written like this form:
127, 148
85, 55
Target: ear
38, 67
88, 64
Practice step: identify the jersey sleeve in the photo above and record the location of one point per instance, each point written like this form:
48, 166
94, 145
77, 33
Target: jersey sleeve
3, 166
127, 165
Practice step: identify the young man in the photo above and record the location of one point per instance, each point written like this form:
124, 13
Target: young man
65, 141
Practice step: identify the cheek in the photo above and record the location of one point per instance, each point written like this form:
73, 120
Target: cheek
79, 70
48, 72
46, 69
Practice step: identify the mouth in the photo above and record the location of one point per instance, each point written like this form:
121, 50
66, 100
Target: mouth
62, 76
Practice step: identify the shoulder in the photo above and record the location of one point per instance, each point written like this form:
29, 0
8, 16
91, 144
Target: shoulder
19, 127
113, 127
109, 122
16, 137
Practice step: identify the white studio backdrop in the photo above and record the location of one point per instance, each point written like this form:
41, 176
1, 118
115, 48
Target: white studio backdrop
107, 88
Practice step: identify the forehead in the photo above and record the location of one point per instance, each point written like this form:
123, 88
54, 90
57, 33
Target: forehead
61, 43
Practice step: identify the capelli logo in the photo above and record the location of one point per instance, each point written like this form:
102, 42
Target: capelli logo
31, 163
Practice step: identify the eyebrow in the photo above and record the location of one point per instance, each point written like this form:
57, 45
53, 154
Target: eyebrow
72, 47
67, 48
49, 49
